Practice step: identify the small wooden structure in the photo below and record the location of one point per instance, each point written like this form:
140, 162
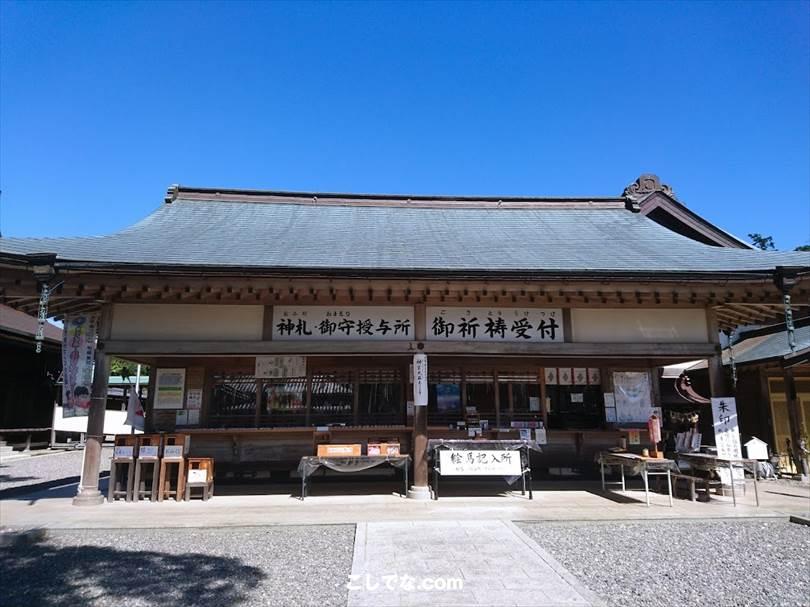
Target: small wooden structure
175, 449
123, 464
200, 475
148, 455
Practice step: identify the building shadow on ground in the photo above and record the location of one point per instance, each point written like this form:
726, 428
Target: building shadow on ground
37, 571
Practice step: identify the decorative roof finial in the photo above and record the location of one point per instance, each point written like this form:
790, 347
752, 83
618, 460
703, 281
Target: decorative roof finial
644, 186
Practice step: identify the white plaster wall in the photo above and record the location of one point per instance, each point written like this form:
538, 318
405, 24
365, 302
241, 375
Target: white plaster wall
612, 325
190, 322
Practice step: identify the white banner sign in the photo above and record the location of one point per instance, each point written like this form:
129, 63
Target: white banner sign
726, 427
420, 380
366, 323
479, 463
78, 352
280, 367
170, 387
633, 396
495, 324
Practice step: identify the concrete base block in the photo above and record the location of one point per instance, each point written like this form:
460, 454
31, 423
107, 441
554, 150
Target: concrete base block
88, 497
419, 493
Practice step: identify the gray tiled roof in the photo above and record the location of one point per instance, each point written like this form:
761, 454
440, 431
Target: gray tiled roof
310, 236
769, 346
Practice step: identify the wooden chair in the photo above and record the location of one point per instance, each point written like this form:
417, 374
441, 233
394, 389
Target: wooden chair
200, 475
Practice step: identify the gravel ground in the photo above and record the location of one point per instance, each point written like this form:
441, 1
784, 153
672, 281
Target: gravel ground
47, 466
285, 566
678, 563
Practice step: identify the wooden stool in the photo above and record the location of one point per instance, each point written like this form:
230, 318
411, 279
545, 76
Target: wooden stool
148, 455
123, 455
175, 448
200, 475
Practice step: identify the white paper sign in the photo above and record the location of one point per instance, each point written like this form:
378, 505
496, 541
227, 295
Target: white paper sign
495, 324
540, 436
181, 418
148, 452
727, 434
479, 463
193, 417
198, 476
343, 323
420, 380
280, 367
123, 452
173, 452
534, 403
170, 386
193, 399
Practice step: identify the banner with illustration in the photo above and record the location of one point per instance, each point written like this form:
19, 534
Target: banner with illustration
78, 352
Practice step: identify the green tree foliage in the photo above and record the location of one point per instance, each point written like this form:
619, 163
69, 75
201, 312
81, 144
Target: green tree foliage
764, 243
804, 247
119, 366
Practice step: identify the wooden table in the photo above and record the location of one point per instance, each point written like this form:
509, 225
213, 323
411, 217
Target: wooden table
638, 464
714, 463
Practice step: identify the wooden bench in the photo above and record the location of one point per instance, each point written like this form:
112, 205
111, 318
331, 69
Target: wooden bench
691, 481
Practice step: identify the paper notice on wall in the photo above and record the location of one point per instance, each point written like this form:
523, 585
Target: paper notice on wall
181, 418
194, 399
170, 386
534, 403
540, 436
193, 417
634, 437
610, 415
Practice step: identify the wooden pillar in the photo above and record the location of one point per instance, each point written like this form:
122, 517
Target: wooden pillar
718, 384
541, 382
89, 494
497, 399
257, 419
796, 429
356, 398
308, 411
420, 489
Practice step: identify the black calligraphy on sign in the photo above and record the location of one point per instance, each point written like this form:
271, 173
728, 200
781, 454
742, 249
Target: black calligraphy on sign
402, 326
327, 327
521, 328
365, 327
441, 327
290, 327
468, 327
346, 326
495, 326
548, 329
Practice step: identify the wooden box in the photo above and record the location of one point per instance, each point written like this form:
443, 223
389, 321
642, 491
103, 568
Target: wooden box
126, 445
339, 450
149, 447
383, 449
175, 446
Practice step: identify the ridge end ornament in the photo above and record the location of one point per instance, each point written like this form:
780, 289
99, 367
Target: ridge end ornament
646, 184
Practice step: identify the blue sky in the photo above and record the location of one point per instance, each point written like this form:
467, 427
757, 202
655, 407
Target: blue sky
102, 106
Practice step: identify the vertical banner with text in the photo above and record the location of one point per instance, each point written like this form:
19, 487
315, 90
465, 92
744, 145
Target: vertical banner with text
78, 352
420, 380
